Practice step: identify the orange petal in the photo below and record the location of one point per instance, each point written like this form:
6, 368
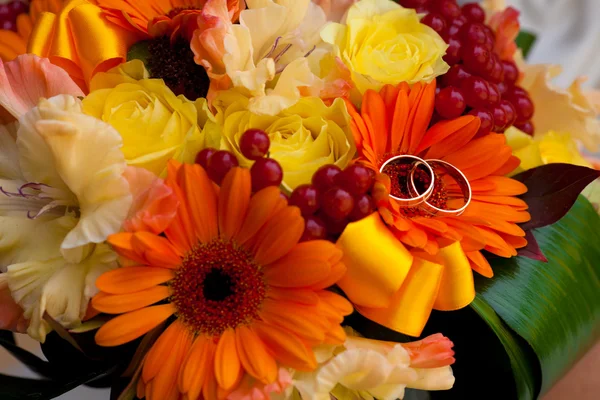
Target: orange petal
508, 167
476, 152
456, 140
399, 121
300, 319
164, 385
373, 110
122, 303
305, 264
197, 367
181, 230
413, 237
228, 368
302, 296
132, 279
503, 186
157, 251
343, 306
201, 201
338, 270
254, 356
130, 326
420, 114
336, 335
493, 163
504, 200
234, 199
279, 235
286, 347
263, 205
160, 350
480, 264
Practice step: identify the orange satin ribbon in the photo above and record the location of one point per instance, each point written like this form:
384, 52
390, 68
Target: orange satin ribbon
395, 288
80, 40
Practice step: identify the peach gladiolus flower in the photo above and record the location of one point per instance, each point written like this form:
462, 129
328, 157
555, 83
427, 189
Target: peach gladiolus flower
335, 10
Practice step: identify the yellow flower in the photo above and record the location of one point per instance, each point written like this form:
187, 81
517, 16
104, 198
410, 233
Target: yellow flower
304, 137
155, 125
552, 147
382, 43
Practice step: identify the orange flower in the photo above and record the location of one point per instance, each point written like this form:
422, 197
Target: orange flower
158, 17
430, 256
12, 43
246, 297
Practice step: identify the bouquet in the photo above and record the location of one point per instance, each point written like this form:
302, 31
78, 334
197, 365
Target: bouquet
291, 199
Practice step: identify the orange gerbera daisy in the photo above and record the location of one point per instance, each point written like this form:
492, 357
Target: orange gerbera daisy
158, 17
430, 256
242, 294
13, 44
395, 121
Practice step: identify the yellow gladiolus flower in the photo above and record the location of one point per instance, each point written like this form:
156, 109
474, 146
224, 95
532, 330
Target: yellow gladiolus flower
156, 126
552, 147
304, 137
382, 42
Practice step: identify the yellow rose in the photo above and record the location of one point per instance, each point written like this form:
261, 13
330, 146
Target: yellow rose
155, 125
303, 137
382, 42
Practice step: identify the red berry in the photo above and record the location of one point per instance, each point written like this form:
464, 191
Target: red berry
254, 144
516, 91
337, 203
475, 33
494, 94
323, 179
473, 12
511, 72
453, 51
526, 127
9, 26
523, 105
487, 121
476, 59
450, 103
265, 172
18, 7
219, 165
449, 9
306, 198
502, 88
497, 73
509, 110
334, 226
500, 118
455, 76
435, 21
356, 179
5, 12
203, 156
363, 207
314, 229
476, 91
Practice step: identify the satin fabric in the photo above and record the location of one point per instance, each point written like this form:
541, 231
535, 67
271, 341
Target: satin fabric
79, 40
397, 289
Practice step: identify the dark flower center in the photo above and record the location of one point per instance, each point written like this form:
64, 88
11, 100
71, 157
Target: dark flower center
174, 63
218, 286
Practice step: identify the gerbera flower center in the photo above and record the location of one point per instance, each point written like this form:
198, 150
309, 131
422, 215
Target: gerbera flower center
218, 286
399, 174
174, 63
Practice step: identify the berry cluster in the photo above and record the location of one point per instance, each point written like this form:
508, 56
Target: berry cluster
254, 145
334, 199
479, 83
9, 13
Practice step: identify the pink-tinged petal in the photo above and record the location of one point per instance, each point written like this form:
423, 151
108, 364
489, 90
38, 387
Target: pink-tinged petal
251, 389
154, 203
335, 9
11, 314
27, 79
506, 25
337, 82
432, 352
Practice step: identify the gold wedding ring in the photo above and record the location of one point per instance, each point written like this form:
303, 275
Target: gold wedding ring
414, 163
460, 179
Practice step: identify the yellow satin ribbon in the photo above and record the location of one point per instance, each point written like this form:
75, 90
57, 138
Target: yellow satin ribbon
80, 40
396, 289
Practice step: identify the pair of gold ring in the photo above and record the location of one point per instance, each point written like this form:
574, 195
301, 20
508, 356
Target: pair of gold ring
419, 200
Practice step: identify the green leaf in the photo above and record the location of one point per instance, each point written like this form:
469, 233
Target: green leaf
525, 42
554, 306
139, 51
